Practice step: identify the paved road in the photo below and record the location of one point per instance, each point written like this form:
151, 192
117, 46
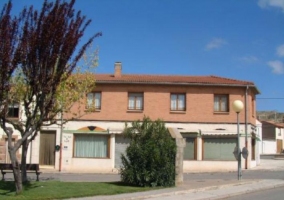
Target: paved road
271, 194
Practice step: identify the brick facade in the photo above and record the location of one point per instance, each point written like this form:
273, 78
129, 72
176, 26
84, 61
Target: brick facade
199, 104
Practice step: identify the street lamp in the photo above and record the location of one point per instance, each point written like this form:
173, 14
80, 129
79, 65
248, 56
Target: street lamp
237, 107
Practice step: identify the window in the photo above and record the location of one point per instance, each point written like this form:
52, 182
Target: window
91, 146
13, 111
221, 103
177, 102
135, 101
94, 100
219, 148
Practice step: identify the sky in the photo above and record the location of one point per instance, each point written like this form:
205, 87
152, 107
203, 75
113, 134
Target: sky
238, 39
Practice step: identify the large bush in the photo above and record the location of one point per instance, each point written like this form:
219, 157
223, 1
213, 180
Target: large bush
150, 157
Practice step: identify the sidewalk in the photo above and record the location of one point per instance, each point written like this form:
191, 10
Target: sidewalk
207, 190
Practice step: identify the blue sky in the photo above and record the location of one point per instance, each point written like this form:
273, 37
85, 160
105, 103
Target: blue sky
239, 39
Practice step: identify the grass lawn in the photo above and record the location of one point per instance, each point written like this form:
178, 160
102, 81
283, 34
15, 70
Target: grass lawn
62, 190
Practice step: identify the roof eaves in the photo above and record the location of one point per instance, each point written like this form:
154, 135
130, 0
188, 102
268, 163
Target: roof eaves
177, 83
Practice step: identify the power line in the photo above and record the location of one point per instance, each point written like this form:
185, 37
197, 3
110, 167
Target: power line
271, 98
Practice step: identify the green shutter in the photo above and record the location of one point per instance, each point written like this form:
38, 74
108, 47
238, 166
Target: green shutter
219, 148
189, 149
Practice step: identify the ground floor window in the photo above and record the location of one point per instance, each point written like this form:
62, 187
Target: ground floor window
219, 148
91, 146
190, 148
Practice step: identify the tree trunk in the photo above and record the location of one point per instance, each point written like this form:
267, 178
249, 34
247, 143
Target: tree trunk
16, 171
24, 160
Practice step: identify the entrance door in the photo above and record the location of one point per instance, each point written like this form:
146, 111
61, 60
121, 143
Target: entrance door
279, 146
47, 148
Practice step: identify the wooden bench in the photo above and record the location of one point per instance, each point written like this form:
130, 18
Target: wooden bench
31, 168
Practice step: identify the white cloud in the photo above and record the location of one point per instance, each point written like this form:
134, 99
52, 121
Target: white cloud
277, 66
249, 59
280, 50
216, 43
272, 3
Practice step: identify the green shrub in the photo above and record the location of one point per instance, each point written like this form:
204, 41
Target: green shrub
150, 157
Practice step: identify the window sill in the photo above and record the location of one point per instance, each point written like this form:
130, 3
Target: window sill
92, 110
13, 118
177, 112
91, 158
221, 113
135, 111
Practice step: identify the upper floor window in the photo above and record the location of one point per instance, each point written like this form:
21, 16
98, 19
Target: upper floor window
221, 103
135, 101
94, 100
178, 102
13, 111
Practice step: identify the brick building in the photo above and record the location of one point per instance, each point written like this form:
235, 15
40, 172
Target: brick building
199, 107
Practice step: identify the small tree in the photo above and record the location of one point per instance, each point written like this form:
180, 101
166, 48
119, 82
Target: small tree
150, 157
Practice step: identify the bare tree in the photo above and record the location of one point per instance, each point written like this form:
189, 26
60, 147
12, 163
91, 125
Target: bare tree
47, 46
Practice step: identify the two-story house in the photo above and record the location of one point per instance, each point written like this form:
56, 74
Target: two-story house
272, 137
199, 107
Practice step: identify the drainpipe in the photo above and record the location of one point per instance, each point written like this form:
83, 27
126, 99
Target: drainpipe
31, 151
61, 146
246, 123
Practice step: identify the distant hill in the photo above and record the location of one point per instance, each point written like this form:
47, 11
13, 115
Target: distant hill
270, 116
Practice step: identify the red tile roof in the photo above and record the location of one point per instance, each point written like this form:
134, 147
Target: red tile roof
172, 80
276, 124
168, 79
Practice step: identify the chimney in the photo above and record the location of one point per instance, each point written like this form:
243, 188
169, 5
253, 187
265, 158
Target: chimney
117, 69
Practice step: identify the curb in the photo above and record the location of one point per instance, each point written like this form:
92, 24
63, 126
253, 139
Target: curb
249, 190
189, 190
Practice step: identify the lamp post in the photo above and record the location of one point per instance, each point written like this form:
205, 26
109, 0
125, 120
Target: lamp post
237, 107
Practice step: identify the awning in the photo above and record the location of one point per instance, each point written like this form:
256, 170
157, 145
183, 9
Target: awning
218, 134
88, 130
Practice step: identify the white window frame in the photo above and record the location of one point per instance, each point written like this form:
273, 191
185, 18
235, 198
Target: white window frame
91, 146
135, 101
94, 100
178, 102
12, 107
221, 103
